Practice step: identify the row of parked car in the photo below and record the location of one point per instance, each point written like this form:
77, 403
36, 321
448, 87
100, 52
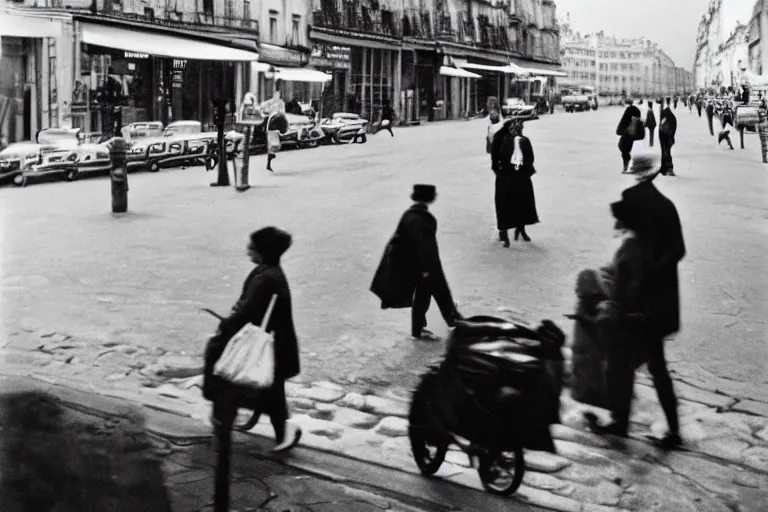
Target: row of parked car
62, 153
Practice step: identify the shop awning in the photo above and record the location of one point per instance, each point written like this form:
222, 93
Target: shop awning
508, 69
161, 45
544, 72
449, 71
301, 75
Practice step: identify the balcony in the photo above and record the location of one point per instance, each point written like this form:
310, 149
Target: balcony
444, 28
356, 16
195, 20
417, 23
492, 37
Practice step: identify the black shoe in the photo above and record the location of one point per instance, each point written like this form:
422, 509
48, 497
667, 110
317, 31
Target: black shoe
612, 428
525, 236
517, 234
426, 335
504, 237
670, 441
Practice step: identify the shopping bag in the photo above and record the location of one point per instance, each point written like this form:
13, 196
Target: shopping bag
249, 357
636, 130
273, 141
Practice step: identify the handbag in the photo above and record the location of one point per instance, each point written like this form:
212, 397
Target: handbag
249, 357
273, 141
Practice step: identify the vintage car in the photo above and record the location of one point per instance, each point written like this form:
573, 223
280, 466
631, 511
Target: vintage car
20, 156
303, 132
345, 127
142, 130
231, 140
517, 107
156, 153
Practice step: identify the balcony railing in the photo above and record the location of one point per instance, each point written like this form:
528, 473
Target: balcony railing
194, 20
444, 30
358, 17
417, 23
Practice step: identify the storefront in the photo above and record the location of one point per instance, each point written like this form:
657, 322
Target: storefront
457, 87
375, 66
420, 66
129, 74
334, 60
35, 86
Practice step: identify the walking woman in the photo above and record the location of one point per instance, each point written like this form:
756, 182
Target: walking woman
265, 249
512, 162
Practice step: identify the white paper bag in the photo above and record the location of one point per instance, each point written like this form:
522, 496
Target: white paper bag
249, 357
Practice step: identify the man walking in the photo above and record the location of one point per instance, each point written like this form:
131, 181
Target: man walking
667, 131
650, 123
410, 272
711, 115
628, 125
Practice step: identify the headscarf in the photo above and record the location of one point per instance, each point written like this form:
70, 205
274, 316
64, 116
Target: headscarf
271, 243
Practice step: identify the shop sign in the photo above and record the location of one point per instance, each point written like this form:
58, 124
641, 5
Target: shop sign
179, 63
135, 55
331, 56
177, 80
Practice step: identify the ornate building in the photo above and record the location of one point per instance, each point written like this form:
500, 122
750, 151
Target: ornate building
722, 44
757, 43
620, 66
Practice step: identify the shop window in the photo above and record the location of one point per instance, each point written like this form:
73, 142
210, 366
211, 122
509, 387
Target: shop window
149, 13
388, 22
296, 30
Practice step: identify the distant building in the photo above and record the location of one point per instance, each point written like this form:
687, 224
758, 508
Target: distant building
757, 41
723, 42
620, 66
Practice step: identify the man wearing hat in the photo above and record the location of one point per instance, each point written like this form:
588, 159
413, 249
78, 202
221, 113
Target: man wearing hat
667, 131
410, 272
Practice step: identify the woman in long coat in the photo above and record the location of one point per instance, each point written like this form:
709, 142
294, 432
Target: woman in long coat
512, 162
266, 247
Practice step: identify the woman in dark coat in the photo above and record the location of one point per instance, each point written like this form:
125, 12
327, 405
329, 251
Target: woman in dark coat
626, 141
514, 197
266, 247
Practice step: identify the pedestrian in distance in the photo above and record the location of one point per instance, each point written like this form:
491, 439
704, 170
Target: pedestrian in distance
629, 130
512, 160
387, 117
710, 108
410, 272
699, 103
667, 132
675, 101
650, 123
643, 306
725, 135
726, 114
266, 280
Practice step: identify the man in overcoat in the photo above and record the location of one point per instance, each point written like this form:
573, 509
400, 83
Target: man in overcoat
410, 272
656, 294
622, 130
650, 123
667, 131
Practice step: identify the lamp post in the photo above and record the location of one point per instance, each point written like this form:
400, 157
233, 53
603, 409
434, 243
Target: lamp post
219, 118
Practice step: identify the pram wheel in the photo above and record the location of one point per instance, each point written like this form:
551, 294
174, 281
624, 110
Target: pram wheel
502, 472
428, 447
428, 454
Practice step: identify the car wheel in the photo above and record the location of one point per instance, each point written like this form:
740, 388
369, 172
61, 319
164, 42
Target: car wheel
336, 139
363, 139
20, 180
71, 175
154, 166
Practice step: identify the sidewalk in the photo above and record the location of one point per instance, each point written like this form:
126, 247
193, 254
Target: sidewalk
724, 465
145, 462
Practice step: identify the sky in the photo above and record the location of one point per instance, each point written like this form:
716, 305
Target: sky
673, 24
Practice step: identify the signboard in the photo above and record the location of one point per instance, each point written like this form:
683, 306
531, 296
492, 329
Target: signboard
177, 80
135, 55
330, 56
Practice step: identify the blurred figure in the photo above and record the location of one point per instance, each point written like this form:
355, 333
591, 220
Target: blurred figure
625, 130
650, 123
667, 131
387, 117
710, 108
724, 135
493, 128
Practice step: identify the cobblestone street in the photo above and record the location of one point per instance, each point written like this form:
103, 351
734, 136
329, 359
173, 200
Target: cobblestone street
69, 267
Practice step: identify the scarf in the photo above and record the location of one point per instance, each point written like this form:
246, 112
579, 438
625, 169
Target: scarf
517, 156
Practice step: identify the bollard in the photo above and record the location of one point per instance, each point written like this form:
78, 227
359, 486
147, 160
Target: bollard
118, 176
219, 118
243, 186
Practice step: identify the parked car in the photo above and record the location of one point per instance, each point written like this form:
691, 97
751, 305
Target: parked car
303, 132
576, 101
156, 153
517, 107
19, 156
345, 127
142, 130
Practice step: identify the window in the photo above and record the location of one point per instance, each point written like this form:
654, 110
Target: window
208, 7
295, 30
273, 26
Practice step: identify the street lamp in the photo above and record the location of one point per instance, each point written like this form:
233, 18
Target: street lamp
270, 73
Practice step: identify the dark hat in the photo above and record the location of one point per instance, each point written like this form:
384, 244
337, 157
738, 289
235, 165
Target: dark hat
271, 243
424, 193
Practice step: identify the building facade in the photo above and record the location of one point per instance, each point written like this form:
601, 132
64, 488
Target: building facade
723, 43
399, 51
757, 42
620, 66
100, 64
